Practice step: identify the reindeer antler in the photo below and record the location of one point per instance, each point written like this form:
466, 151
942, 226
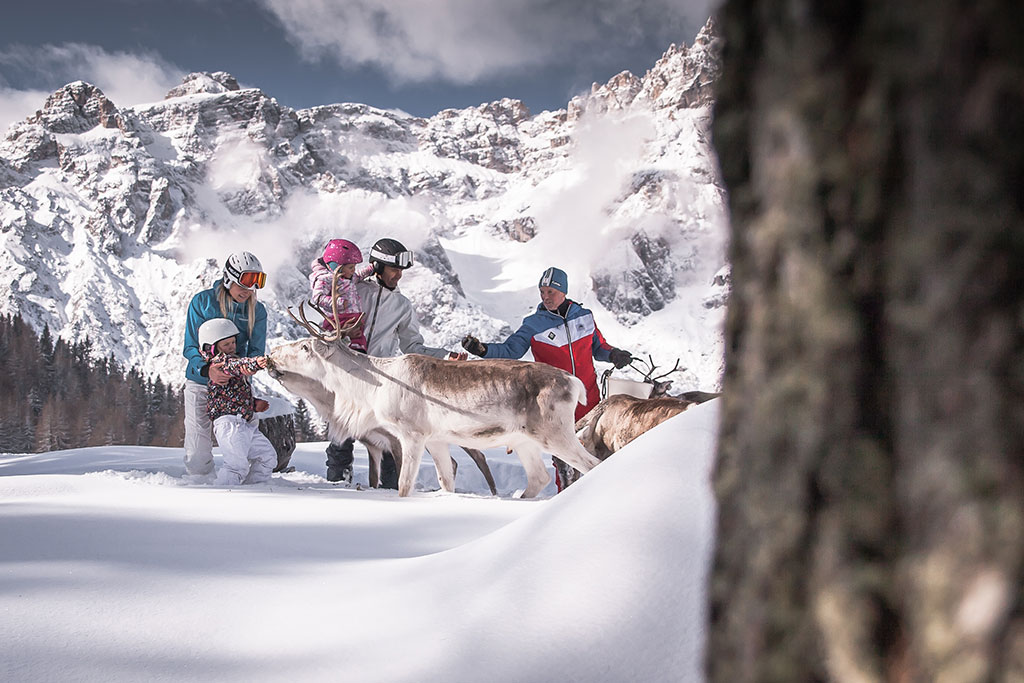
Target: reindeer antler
310, 327
355, 322
675, 368
648, 367
339, 331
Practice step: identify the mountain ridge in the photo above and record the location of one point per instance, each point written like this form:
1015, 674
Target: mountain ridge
113, 217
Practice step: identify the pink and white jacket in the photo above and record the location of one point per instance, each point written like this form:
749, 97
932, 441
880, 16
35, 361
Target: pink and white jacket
349, 304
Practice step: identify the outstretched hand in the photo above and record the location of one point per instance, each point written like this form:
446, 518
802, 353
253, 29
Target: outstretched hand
259, 405
456, 355
474, 345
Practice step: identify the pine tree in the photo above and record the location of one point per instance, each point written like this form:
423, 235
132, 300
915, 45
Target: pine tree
303, 430
54, 395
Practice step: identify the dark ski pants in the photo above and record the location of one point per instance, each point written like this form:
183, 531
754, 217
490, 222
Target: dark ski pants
339, 459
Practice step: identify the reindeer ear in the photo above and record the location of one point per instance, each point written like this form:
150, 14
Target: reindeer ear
322, 348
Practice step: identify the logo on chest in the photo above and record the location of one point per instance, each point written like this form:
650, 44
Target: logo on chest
551, 336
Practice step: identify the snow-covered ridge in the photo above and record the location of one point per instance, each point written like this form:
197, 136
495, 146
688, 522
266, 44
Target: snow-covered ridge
111, 218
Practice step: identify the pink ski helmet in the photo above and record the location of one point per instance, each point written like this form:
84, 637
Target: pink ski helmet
342, 252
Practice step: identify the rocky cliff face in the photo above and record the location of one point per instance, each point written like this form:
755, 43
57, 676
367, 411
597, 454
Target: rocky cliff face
111, 218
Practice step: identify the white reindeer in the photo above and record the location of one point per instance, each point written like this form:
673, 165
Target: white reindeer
426, 402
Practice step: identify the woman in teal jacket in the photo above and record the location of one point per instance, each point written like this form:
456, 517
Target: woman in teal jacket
232, 297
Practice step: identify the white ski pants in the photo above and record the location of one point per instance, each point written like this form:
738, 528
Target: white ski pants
198, 431
247, 456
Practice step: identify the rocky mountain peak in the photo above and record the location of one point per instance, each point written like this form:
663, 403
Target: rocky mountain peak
76, 108
707, 37
202, 82
681, 79
506, 111
684, 77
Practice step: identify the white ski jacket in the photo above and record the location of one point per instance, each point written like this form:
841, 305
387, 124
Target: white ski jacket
390, 324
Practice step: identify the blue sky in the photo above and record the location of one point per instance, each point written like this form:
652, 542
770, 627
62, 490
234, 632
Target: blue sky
419, 56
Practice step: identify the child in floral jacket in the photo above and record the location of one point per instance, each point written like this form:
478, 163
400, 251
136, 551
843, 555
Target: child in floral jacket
247, 456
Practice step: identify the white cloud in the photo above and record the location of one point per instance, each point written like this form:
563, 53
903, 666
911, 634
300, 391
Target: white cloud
308, 219
16, 105
126, 78
574, 207
463, 41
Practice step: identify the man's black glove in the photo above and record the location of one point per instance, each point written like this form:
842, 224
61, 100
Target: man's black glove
474, 345
620, 358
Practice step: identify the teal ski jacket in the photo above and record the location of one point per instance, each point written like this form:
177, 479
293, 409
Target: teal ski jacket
204, 307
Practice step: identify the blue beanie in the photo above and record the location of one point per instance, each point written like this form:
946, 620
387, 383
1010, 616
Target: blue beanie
555, 278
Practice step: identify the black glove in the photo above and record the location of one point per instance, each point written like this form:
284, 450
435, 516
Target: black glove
474, 345
620, 358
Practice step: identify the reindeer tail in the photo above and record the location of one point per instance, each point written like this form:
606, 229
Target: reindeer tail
581, 390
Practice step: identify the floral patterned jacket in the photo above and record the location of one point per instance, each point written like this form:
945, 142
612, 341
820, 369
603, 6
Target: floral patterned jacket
234, 397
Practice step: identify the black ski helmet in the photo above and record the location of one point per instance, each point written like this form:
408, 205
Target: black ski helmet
389, 252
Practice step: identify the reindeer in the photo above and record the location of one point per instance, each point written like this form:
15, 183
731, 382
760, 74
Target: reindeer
377, 442
618, 419
424, 402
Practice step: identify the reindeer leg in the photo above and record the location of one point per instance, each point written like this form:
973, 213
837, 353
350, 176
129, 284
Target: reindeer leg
567, 448
443, 464
375, 453
412, 454
481, 463
395, 449
537, 476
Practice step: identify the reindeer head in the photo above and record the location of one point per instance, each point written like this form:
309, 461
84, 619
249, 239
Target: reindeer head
299, 359
660, 389
313, 366
647, 368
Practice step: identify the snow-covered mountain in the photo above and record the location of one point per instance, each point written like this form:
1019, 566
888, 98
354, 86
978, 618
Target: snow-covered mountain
111, 217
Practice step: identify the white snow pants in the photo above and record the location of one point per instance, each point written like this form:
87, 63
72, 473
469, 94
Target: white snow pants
247, 456
198, 431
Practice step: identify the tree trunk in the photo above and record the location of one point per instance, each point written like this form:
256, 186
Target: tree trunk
280, 431
870, 473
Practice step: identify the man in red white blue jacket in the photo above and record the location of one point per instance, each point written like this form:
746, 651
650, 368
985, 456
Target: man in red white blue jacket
561, 333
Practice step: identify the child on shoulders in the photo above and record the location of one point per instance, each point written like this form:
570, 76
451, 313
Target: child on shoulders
247, 455
340, 256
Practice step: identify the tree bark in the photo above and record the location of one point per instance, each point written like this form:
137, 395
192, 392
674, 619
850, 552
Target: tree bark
280, 431
870, 472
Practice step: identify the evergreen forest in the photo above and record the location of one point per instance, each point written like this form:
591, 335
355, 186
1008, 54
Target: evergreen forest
56, 395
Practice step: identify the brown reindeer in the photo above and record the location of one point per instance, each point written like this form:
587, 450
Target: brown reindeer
620, 418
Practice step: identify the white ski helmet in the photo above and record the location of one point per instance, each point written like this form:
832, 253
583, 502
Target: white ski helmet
213, 331
245, 270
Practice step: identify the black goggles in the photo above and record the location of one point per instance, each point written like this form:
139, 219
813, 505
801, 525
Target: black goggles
402, 259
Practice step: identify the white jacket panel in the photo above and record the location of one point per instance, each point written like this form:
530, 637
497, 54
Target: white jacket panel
391, 326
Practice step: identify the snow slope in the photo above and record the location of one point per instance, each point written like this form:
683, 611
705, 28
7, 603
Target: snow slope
116, 568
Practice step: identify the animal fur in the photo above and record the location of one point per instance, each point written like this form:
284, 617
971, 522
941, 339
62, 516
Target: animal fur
619, 419
427, 402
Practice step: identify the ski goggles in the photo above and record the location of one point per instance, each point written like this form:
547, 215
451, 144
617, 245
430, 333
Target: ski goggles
402, 259
252, 279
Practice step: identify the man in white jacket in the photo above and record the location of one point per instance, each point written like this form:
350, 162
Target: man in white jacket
391, 328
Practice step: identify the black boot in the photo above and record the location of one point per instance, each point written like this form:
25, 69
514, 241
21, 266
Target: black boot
388, 472
339, 461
